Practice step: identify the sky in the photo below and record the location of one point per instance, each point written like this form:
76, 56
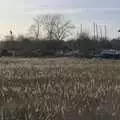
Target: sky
17, 14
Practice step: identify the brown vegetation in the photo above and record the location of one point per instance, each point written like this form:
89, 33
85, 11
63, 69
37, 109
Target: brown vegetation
57, 89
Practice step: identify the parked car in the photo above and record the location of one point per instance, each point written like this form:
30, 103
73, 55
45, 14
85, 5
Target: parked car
108, 54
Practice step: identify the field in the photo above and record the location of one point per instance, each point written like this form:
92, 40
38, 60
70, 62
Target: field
59, 89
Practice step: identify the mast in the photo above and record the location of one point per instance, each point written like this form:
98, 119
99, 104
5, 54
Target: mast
105, 28
97, 31
81, 28
100, 31
94, 29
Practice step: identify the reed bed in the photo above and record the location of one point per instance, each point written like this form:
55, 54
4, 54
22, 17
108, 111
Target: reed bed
59, 89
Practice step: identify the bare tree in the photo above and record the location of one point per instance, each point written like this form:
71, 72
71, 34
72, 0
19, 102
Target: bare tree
35, 28
55, 26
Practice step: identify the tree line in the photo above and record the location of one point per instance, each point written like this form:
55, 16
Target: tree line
48, 34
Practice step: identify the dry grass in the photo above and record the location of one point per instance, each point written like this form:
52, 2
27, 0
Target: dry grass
59, 89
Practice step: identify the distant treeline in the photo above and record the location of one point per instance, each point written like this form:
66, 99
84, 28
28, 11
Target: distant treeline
23, 46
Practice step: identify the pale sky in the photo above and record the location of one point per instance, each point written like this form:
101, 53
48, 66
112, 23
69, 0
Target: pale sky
17, 14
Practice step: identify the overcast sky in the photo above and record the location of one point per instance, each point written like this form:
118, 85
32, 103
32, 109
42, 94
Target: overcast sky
17, 14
